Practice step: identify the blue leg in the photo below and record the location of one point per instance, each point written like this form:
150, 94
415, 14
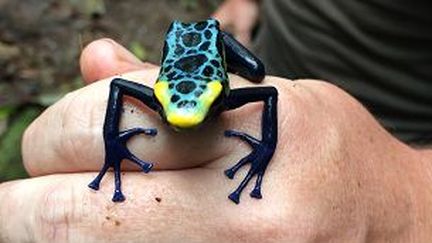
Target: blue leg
233, 170
118, 194
262, 150
241, 61
96, 182
146, 167
115, 140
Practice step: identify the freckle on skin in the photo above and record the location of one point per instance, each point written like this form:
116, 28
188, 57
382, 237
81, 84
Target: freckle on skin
117, 223
158, 199
107, 217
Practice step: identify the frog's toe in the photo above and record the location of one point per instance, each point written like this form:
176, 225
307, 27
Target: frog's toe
145, 166
258, 160
256, 193
253, 142
233, 170
124, 136
229, 133
151, 131
235, 197
118, 196
230, 173
94, 185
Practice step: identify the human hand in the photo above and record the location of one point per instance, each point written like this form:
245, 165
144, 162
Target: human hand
239, 17
336, 174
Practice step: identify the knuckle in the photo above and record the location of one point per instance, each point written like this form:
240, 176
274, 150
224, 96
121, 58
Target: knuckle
63, 212
263, 229
80, 125
55, 213
306, 225
333, 97
68, 127
312, 102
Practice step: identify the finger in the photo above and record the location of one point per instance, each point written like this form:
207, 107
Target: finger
238, 17
171, 205
67, 137
224, 14
105, 58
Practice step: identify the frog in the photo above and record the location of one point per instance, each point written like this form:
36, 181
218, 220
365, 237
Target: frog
192, 87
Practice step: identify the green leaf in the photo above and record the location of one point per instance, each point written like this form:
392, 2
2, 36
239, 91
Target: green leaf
5, 111
11, 166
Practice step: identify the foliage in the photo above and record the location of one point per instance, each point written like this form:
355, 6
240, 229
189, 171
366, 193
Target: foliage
10, 141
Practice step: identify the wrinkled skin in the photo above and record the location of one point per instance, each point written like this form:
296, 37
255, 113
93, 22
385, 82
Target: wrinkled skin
336, 175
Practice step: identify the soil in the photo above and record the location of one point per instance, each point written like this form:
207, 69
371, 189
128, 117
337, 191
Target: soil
40, 41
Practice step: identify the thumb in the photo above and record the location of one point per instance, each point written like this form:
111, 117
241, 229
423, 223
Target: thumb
105, 58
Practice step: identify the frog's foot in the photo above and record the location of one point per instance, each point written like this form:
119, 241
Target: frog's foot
115, 151
259, 158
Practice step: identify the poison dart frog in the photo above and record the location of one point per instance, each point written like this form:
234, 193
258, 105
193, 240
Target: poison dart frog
192, 87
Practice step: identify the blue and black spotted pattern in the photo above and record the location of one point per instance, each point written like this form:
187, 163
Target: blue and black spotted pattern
192, 57
193, 86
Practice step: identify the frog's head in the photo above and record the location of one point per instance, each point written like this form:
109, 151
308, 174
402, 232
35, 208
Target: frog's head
187, 105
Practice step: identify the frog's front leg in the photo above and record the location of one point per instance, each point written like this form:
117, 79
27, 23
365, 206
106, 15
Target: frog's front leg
262, 150
115, 140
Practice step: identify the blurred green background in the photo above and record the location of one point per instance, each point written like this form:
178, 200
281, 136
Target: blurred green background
40, 44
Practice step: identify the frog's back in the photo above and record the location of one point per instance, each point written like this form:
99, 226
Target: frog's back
193, 56
193, 72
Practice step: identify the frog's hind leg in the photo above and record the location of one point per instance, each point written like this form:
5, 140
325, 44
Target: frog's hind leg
241, 61
115, 141
262, 150
258, 166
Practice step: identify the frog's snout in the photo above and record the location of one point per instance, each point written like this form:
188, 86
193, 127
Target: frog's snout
182, 110
188, 116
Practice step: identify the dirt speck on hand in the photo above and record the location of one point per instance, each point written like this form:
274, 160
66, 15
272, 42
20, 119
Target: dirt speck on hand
158, 199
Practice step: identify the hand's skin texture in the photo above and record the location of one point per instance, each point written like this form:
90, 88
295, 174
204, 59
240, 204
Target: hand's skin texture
336, 175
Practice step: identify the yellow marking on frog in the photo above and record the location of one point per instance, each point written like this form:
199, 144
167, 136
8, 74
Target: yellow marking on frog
187, 117
185, 120
213, 90
160, 89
